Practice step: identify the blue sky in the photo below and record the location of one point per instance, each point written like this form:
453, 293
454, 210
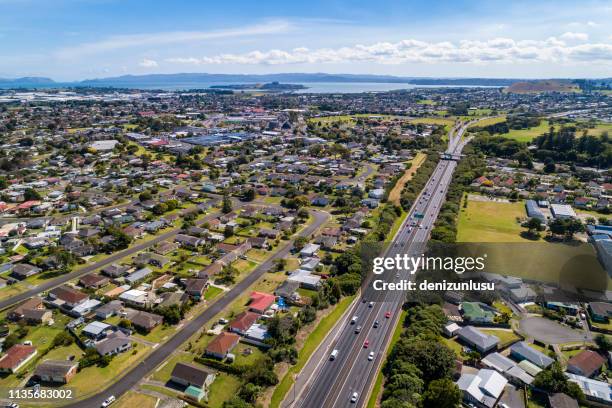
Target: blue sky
78, 39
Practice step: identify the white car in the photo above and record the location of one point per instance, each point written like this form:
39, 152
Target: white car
108, 401
371, 356
354, 397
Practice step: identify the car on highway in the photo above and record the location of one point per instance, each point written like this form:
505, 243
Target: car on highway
371, 356
376, 324
354, 319
108, 401
371, 305
357, 329
387, 314
366, 344
354, 397
333, 355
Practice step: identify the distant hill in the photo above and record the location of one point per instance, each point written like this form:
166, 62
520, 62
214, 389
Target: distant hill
550, 85
26, 81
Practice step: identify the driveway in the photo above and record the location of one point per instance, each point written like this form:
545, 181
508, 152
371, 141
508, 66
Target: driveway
548, 331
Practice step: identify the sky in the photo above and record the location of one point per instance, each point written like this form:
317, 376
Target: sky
71, 40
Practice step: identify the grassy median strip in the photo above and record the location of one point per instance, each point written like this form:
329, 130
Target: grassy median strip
378, 384
310, 345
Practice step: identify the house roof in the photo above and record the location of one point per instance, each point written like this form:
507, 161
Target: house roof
146, 320
223, 343
112, 342
536, 357
261, 301
92, 279
16, 355
191, 374
477, 338
243, 321
560, 400
587, 361
54, 368
68, 294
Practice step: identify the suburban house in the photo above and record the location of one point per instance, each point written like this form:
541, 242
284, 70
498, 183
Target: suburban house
114, 270
260, 302
482, 342
56, 371
23, 271
587, 363
222, 345
482, 389
96, 330
115, 343
16, 357
18, 313
196, 287
93, 281
521, 351
135, 297
189, 241
241, 323
189, 375
109, 309
66, 296
600, 311
146, 321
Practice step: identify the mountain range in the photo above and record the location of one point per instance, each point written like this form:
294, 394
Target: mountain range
204, 80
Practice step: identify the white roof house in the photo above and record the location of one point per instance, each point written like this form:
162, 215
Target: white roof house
134, 296
305, 278
562, 211
485, 387
309, 250
593, 389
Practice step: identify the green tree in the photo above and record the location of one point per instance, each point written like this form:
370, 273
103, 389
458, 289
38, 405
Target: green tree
226, 205
442, 393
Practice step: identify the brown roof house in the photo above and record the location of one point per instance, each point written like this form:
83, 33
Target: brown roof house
586, 363
242, 322
56, 371
93, 280
34, 303
146, 321
16, 357
67, 296
221, 345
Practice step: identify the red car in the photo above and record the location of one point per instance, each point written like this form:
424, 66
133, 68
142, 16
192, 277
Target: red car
366, 344
388, 315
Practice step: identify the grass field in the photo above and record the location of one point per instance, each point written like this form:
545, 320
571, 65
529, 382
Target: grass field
395, 194
448, 123
136, 399
505, 336
527, 135
222, 389
489, 121
494, 227
485, 221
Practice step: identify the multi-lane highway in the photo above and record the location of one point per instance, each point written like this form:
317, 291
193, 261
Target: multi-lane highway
346, 380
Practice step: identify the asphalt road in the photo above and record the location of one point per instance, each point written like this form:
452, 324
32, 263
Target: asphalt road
132, 377
326, 383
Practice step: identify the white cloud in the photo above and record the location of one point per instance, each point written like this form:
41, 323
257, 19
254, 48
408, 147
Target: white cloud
148, 63
165, 38
575, 36
501, 50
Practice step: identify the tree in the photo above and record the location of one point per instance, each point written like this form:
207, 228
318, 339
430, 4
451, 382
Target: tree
442, 393
249, 195
145, 196
31, 194
227, 204
300, 243
553, 380
533, 225
603, 343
